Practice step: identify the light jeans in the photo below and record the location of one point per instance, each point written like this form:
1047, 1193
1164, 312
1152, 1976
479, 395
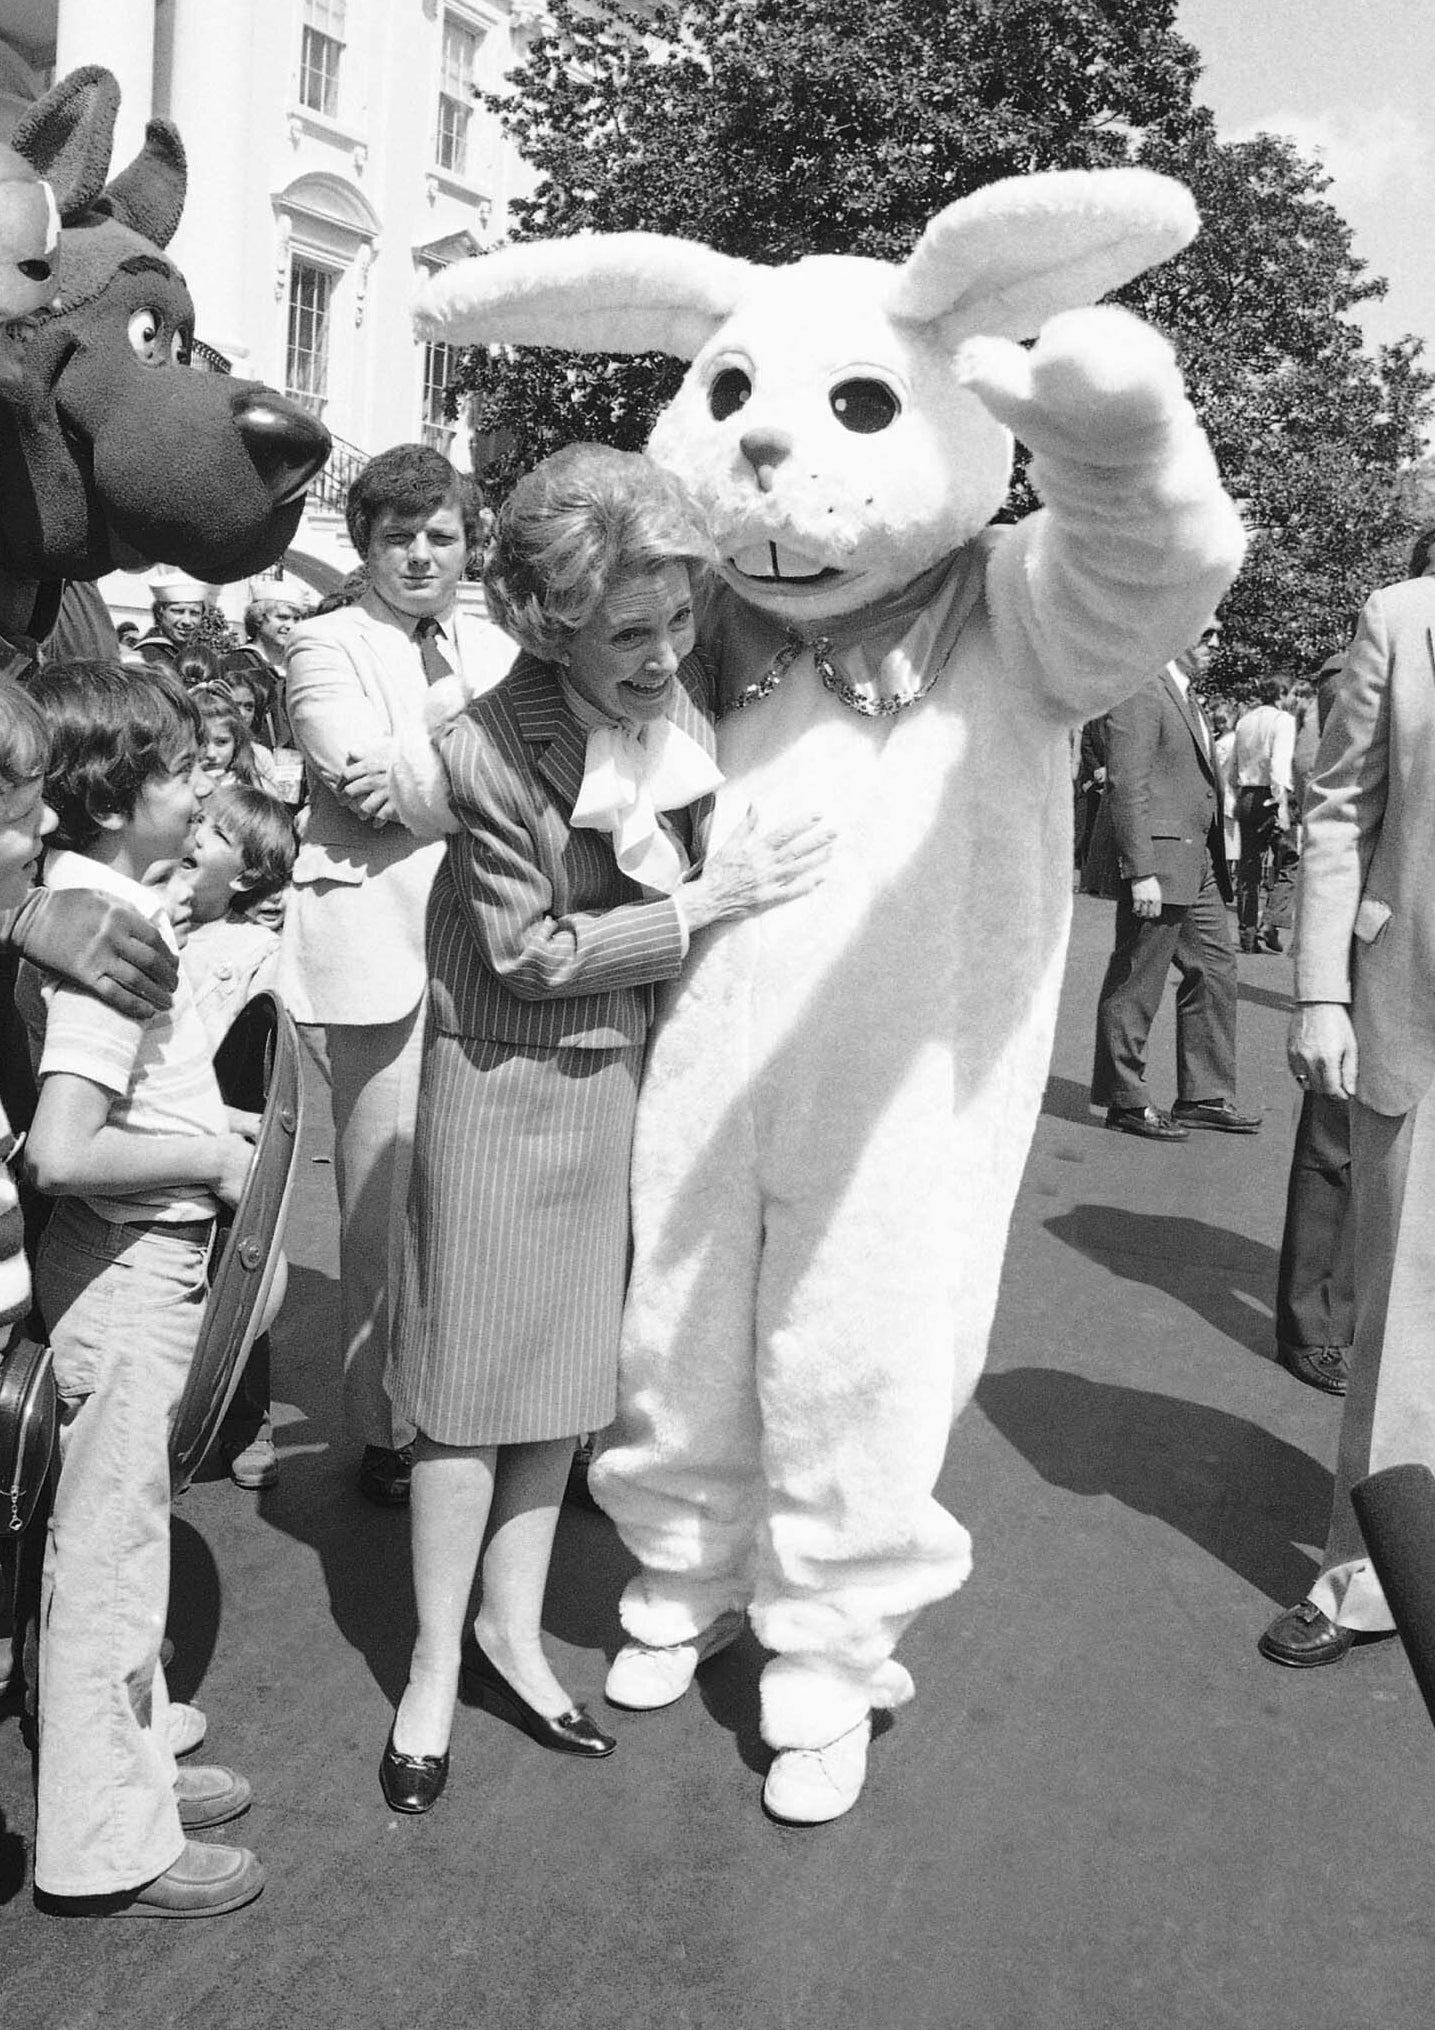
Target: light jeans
123, 1305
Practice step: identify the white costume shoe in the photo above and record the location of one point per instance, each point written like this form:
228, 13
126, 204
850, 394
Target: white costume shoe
808, 1786
645, 1678
187, 1727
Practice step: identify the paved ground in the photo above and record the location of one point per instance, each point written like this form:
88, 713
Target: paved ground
1104, 1812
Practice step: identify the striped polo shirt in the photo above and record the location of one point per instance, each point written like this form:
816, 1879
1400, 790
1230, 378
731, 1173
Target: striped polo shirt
159, 1072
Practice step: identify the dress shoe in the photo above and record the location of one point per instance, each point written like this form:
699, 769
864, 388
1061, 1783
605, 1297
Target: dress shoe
411, 1783
206, 1881
1303, 1637
1217, 1114
809, 1786
1321, 1367
571, 1733
1147, 1121
1271, 941
645, 1677
577, 1492
384, 1475
1248, 942
187, 1728
210, 1797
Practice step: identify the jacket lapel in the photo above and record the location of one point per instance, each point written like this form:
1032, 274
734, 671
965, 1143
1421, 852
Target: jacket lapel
562, 744
1191, 713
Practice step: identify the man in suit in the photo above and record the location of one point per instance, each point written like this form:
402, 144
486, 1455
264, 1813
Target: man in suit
360, 684
1167, 836
1364, 1030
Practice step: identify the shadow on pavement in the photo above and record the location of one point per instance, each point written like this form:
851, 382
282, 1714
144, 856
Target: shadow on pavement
1224, 1277
1243, 1496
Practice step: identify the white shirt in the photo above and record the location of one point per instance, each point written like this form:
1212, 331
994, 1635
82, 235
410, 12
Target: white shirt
1265, 749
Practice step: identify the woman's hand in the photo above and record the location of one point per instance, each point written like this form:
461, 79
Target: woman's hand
751, 870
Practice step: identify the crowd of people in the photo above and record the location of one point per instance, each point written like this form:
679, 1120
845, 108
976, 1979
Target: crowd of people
469, 897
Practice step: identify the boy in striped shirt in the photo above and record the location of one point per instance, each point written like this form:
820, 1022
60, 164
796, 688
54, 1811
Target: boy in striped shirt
132, 1140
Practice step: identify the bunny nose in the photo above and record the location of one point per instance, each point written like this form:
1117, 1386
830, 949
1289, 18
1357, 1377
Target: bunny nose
764, 450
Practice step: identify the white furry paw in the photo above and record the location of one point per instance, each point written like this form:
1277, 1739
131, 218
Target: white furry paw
1094, 386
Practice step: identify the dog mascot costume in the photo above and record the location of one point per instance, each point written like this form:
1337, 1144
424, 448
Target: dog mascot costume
841, 1091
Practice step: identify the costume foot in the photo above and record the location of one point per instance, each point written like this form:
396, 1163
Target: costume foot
1217, 1114
1303, 1637
809, 1786
187, 1728
645, 1677
1147, 1121
1320, 1367
384, 1475
210, 1797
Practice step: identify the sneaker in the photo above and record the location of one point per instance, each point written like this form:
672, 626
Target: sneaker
808, 1786
210, 1797
257, 1465
645, 1678
187, 1727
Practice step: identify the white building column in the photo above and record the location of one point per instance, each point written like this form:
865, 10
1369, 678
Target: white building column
120, 35
208, 96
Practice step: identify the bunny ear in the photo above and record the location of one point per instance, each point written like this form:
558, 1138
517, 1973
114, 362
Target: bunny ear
1004, 260
596, 292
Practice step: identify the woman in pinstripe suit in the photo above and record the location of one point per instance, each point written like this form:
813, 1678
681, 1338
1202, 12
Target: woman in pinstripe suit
569, 890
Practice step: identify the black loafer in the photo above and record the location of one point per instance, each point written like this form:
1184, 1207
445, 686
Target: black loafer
1303, 1637
1319, 1367
411, 1783
571, 1733
1147, 1121
384, 1475
1217, 1114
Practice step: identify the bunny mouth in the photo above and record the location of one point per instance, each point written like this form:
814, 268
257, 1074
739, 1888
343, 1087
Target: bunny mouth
774, 564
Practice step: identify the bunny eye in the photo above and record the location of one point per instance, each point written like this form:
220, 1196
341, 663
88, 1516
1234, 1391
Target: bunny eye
729, 393
865, 406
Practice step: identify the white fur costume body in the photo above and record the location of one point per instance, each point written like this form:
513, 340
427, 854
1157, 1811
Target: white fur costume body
841, 1091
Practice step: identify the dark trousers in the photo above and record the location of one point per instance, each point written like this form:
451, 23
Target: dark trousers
1256, 814
1315, 1286
1195, 938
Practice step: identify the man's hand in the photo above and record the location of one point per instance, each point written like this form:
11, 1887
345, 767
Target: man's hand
1321, 1049
363, 785
102, 945
1146, 896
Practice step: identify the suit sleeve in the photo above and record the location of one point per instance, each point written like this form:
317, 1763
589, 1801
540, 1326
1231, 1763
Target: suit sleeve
508, 898
329, 710
1132, 729
1344, 810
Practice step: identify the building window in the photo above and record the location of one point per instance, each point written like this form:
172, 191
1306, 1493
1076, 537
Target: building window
456, 93
306, 375
321, 47
440, 365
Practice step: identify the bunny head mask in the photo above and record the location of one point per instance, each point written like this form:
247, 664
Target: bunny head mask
824, 424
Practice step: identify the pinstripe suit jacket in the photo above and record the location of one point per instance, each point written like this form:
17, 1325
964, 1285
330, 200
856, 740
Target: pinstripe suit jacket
535, 937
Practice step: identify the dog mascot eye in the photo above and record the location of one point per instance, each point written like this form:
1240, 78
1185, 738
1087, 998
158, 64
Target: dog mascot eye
729, 393
146, 336
35, 271
865, 406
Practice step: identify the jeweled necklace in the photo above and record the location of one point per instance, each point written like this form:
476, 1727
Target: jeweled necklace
832, 679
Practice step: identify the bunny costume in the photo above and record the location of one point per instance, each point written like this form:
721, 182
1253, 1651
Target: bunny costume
841, 1091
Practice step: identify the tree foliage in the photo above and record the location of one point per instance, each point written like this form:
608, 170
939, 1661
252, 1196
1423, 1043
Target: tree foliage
774, 128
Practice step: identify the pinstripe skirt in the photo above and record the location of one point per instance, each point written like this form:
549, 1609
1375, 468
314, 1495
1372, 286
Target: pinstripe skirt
516, 1242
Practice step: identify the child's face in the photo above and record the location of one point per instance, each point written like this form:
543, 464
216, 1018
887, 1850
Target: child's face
161, 825
216, 756
215, 866
25, 819
243, 701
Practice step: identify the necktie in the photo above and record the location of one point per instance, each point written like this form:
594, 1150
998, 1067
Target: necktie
436, 664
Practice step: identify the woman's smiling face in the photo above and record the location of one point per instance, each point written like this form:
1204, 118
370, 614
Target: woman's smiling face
624, 659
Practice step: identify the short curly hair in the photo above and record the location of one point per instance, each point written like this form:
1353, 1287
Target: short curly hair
113, 730
572, 527
1420, 553
409, 479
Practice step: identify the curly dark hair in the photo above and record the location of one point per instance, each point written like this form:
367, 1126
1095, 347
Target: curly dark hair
113, 730
409, 479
